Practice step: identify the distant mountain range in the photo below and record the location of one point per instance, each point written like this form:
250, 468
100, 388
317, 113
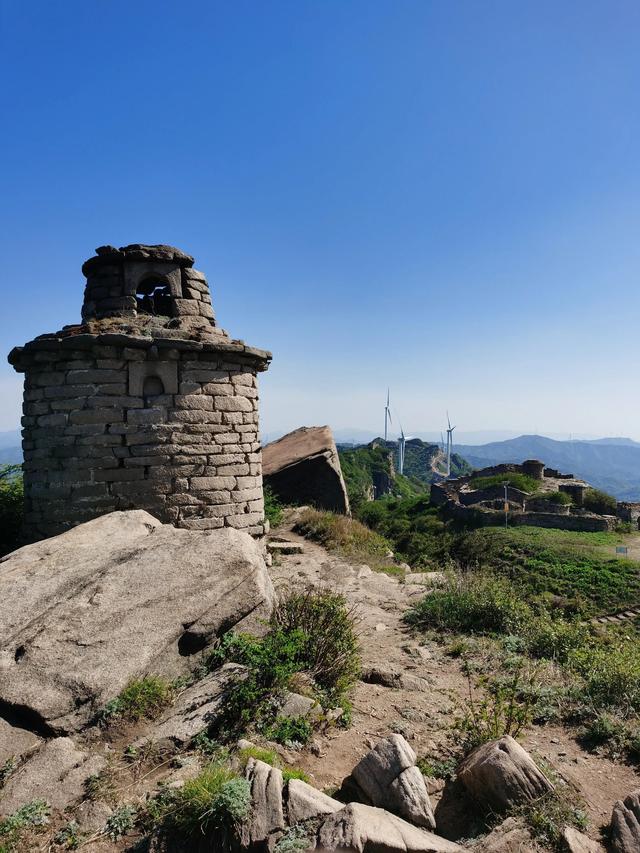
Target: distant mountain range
611, 464
10, 448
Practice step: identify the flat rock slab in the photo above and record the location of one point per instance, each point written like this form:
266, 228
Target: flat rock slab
119, 597
56, 773
365, 829
195, 709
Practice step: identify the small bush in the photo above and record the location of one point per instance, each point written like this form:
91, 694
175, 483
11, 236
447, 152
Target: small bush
438, 768
518, 481
600, 502
611, 673
289, 730
503, 708
556, 639
342, 534
120, 822
604, 729
560, 498
296, 839
472, 603
294, 773
68, 836
11, 507
311, 633
273, 507
217, 799
548, 816
32, 814
144, 697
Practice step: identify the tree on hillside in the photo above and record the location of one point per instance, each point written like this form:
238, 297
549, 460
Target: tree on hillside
11, 507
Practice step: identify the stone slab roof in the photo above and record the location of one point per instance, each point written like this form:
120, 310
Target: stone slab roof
300, 444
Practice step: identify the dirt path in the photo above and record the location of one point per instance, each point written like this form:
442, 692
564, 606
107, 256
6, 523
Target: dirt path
422, 706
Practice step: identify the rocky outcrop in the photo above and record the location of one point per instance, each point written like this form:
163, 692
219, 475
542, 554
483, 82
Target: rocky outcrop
510, 836
303, 467
111, 600
56, 773
625, 824
578, 842
195, 709
388, 777
365, 829
501, 774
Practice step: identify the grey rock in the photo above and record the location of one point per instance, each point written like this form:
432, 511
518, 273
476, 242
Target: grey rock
511, 836
304, 802
56, 773
502, 774
304, 467
266, 815
578, 842
114, 599
389, 778
296, 705
625, 824
15, 742
365, 829
195, 709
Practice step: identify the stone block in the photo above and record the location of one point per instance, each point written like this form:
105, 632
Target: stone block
56, 420
212, 483
140, 417
119, 475
103, 377
185, 307
233, 404
165, 371
96, 416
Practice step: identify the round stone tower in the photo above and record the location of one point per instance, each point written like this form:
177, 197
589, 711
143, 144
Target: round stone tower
147, 404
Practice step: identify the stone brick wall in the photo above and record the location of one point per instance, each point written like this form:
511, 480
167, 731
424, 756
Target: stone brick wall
160, 426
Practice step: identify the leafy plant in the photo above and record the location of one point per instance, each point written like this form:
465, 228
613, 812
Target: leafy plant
6, 770
273, 507
68, 836
599, 502
120, 822
438, 768
503, 708
471, 603
519, 481
144, 697
216, 799
32, 814
296, 839
289, 730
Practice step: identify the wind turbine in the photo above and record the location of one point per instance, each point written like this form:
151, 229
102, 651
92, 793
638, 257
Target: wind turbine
401, 444
450, 430
387, 416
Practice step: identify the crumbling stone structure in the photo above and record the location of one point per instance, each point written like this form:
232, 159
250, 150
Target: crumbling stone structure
147, 404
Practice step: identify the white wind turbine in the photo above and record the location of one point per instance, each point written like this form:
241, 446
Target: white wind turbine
387, 416
450, 430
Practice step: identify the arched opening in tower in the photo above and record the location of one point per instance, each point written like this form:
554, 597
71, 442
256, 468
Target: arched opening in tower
153, 296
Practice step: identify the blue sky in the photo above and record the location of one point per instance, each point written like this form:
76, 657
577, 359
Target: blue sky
443, 197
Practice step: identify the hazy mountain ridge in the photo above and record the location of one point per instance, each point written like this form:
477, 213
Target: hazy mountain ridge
611, 464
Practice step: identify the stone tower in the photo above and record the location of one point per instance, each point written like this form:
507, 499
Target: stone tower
147, 404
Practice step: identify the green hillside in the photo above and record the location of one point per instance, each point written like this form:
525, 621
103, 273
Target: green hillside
369, 472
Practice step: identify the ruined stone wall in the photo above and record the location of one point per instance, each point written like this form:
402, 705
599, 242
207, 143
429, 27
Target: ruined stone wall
166, 426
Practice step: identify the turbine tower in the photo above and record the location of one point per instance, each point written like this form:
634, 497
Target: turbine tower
401, 444
450, 430
387, 416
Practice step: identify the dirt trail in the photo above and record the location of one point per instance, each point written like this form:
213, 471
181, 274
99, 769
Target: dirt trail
423, 706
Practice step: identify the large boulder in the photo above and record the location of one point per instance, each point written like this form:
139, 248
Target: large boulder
303, 467
56, 773
389, 778
501, 774
366, 829
625, 824
121, 596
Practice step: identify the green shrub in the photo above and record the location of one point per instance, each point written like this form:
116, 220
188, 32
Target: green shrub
438, 768
611, 673
548, 815
273, 507
289, 730
603, 728
120, 822
342, 534
472, 603
556, 639
11, 507
518, 481
32, 814
216, 799
311, 633
600, 502
143, 697
68, 836
296, 839
561, 498
503, 707
294, 773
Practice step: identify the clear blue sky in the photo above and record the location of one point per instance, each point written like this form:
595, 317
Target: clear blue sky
443, 197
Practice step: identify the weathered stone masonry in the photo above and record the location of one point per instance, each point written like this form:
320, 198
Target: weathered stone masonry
147, 404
